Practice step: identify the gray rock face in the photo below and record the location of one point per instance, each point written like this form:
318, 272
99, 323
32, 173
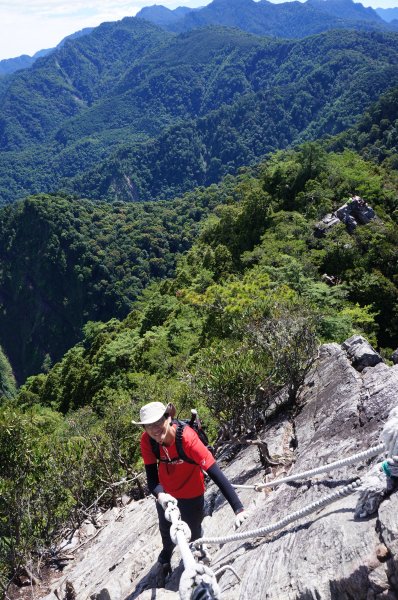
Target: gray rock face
354, 212
361, 211
328, 555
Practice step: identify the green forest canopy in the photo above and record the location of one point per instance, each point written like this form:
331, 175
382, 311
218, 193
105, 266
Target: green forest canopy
131, 112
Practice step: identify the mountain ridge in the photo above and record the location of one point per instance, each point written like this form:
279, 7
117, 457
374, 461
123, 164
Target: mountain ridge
110, 101
288, 19
164, 17
387, 14
11, 65
247, 126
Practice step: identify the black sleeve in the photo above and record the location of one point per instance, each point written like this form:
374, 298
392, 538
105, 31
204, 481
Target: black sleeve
152, 478
226, 488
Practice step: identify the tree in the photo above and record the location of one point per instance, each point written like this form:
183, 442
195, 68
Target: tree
8, 387
290, 338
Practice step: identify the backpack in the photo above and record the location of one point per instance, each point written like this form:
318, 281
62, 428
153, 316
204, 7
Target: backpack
196, 425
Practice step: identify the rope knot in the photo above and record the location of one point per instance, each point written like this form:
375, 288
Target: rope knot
195, 576
172, 512
390, 466
179, 526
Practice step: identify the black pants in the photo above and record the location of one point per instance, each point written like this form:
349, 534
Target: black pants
192, 512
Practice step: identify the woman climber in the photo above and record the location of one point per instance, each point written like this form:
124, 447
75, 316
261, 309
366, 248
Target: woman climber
173, 479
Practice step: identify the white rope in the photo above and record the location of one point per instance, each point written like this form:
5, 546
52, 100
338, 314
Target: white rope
365, 454
345, 491
179, 532
194, 573
352, 487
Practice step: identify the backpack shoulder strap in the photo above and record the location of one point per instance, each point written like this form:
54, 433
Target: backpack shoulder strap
155, 447
179, 443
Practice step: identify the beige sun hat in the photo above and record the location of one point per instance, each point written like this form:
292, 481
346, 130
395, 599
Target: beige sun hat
150, 413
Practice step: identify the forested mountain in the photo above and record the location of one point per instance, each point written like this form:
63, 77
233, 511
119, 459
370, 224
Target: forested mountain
387, 14
10, 65
346, 9
133, 112
287, 19
37, 101
263, 18
233, 98
163, 16
65, 262
375, 136
283, 92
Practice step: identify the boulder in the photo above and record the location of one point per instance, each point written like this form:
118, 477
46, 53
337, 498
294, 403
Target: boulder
361, 353
343, 212
328, 555
355, 211
327, 223
361, 211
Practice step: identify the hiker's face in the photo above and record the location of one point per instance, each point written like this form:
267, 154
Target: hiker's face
158, 430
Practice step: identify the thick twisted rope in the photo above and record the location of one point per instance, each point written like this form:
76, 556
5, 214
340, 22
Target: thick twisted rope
365, 454
298, 514
195, 574
349, 489
180, 533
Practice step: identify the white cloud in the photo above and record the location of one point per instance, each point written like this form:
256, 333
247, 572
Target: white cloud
381, 3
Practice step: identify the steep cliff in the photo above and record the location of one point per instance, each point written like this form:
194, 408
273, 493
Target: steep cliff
326, 555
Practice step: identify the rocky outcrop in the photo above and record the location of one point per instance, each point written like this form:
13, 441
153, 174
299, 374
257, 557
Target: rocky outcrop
328, 555
355, 211
361, 353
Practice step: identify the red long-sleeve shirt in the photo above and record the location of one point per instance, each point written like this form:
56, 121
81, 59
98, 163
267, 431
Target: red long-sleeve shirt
180, 479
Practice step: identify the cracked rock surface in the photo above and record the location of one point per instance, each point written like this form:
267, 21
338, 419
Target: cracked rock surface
328, 555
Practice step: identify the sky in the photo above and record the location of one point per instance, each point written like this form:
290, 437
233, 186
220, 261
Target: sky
27, 26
